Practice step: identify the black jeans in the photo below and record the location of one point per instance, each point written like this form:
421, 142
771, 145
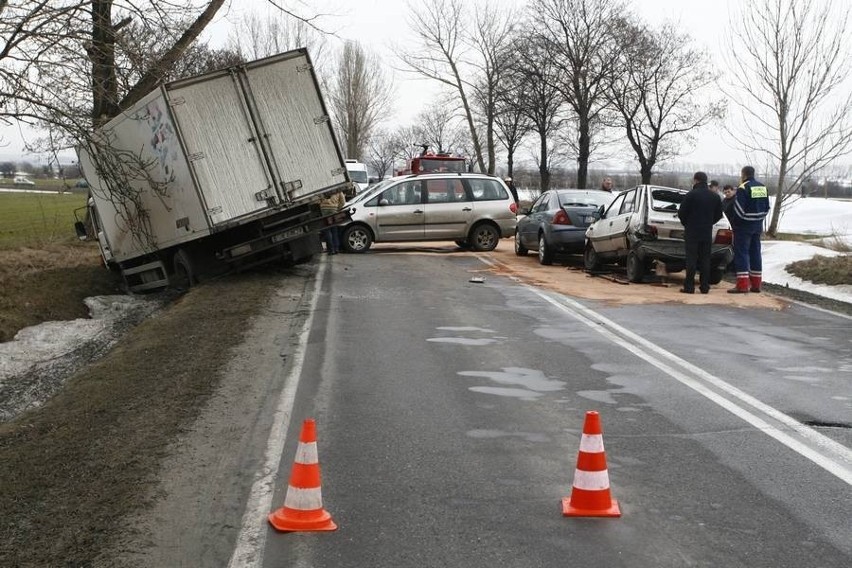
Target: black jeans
697, 257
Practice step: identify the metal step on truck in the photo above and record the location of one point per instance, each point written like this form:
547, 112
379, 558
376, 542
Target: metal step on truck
214, 173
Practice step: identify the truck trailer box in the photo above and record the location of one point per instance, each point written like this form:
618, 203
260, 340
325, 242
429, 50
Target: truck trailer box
197, 157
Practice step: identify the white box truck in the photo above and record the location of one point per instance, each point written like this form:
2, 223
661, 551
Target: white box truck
358, 174
214, 173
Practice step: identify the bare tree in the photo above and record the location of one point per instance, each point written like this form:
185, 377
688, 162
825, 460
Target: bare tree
511, 123
491, 38
541, 100
581, 37
382, 152
439, 128
659, 92
441, 28
256, 36
795, 107
359, 95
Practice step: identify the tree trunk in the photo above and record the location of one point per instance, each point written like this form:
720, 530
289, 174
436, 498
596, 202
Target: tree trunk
543, 170
583, 153
646, 170
510, 161
102, 56
489, 138
779, 199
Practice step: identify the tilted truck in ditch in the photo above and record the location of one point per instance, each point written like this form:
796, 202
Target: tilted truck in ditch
214, 173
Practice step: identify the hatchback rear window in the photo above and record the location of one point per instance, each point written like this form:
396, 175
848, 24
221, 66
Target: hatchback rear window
666, 199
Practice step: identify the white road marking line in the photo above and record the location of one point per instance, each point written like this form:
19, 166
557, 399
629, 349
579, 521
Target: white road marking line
251, 541
837, 464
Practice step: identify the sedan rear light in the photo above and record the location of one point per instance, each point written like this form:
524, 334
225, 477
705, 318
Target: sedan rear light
724, 237
513, 207
561, 218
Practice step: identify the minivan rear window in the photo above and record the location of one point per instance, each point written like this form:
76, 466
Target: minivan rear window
486, 190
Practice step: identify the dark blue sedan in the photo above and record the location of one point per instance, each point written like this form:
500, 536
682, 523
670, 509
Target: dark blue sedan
556, 222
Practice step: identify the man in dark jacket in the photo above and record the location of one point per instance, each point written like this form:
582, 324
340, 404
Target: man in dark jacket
698, 212
747, 211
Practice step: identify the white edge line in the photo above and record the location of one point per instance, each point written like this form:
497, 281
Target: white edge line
827, 463
251, 541
835, 467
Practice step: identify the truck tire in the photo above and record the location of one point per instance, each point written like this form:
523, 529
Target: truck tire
183, 276
357, 238
484, 237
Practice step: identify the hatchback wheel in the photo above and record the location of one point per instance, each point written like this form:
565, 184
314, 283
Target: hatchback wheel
484, 237
545, 255
520, 249
716, 274
635, 267
590, 258
357, 238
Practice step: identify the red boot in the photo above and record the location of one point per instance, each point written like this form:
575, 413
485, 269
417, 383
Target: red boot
756, 279
742, 284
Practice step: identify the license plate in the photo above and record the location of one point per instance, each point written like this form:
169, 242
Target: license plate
287, 234
676, 234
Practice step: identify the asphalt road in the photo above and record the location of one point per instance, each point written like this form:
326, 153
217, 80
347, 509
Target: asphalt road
449, 416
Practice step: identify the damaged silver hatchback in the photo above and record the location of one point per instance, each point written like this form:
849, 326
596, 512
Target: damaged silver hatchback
641, 227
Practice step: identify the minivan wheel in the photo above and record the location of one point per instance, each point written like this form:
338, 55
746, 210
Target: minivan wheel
484, 237
545, 255
590, 258
520, 249
357, 238
635, 267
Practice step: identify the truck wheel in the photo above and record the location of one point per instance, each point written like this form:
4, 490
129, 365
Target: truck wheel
183, 276
590, 258
635, 267
484, 237
357, 238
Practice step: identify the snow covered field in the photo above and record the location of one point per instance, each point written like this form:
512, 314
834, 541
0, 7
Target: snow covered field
831, 218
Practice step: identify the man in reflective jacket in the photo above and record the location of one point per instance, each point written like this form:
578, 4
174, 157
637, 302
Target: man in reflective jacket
748, 210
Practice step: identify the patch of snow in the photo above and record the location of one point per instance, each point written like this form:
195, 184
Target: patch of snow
36, 362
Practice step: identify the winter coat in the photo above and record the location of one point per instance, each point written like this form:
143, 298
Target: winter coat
699, 211
751, 204
332, 203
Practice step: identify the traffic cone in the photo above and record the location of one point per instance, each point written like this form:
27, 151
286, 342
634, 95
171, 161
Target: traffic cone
590, 496
302, 510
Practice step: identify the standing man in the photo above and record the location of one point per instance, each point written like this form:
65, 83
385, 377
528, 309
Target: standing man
606, 184
514, 190
714, 187
329, 205
698, 212
749, 208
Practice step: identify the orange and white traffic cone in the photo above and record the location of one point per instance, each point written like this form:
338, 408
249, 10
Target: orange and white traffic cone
302, 510
590, 496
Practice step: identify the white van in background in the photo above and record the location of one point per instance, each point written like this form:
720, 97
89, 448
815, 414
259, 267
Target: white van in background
358, 174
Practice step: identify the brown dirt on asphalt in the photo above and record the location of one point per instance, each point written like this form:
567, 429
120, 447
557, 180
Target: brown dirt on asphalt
567, 276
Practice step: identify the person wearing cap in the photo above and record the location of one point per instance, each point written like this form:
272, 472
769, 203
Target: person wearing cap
511, 185
699, 211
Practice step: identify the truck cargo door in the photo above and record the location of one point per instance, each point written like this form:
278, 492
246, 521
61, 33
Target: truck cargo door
295, 125
221, 145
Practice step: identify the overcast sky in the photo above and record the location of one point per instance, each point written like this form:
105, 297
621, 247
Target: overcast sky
381, 24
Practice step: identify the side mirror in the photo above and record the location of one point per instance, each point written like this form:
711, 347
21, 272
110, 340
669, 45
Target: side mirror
80, 229
524, 211
599, 214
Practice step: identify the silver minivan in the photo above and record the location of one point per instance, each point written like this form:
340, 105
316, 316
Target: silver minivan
474, 210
